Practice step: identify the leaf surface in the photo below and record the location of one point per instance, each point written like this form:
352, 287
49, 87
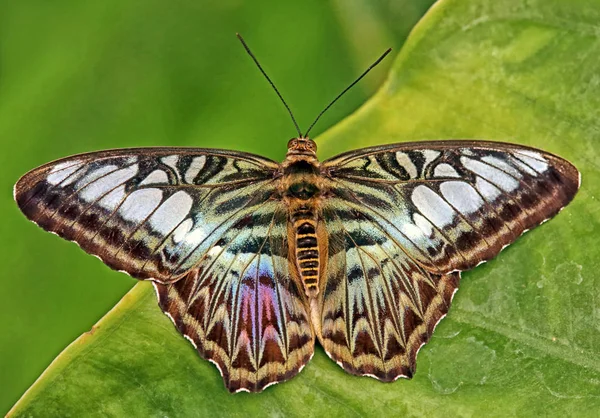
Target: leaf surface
523, 334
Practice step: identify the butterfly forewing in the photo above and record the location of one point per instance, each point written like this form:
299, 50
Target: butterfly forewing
403, 220
241, 306
150, 212
452, 205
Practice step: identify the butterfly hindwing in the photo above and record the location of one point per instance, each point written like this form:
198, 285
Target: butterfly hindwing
240, 306
151, 212
378, 305
453, 204
403, 220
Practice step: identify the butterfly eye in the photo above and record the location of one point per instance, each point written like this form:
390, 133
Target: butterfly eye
292, 143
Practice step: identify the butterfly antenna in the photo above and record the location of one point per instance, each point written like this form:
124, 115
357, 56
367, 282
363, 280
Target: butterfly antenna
270, 82
347, 88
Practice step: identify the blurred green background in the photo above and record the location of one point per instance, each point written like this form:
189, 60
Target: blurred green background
82, 76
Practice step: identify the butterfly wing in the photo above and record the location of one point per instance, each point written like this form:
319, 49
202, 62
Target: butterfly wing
454, 204
150, 212
403, 220
378, 306
203, 226
241, 308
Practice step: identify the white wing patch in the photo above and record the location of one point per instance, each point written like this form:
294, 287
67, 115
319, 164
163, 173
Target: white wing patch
522, 166
171, 212
182, 230
502, 165
103, 185
156, 177
423, 224
95, 174
432, 206
533, 160
462, 196
445, 170
406, 163
492, 174
59, 173
429, 156
194, 168
113, 199
171, 161
487, 190
140, 204
412, 232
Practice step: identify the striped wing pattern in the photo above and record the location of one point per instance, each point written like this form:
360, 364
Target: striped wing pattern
404, 220
454, 204
378, 306
203, 220
240, 306
212, 229
152, 213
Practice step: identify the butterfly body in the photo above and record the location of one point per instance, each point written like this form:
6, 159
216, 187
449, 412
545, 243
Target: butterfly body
254, 260
303, 188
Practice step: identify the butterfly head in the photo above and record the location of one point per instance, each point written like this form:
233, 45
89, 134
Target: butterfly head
302, 146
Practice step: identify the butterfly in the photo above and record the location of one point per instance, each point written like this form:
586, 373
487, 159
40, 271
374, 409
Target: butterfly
254, 261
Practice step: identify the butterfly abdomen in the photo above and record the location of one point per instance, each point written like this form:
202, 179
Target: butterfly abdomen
304, 223
302, 190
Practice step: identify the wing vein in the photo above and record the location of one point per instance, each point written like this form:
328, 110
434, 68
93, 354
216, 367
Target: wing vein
374, 331
283, 319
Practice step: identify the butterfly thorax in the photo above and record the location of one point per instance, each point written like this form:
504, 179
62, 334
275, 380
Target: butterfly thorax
302, 188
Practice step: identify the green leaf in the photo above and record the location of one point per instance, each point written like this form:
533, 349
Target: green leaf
523, 334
